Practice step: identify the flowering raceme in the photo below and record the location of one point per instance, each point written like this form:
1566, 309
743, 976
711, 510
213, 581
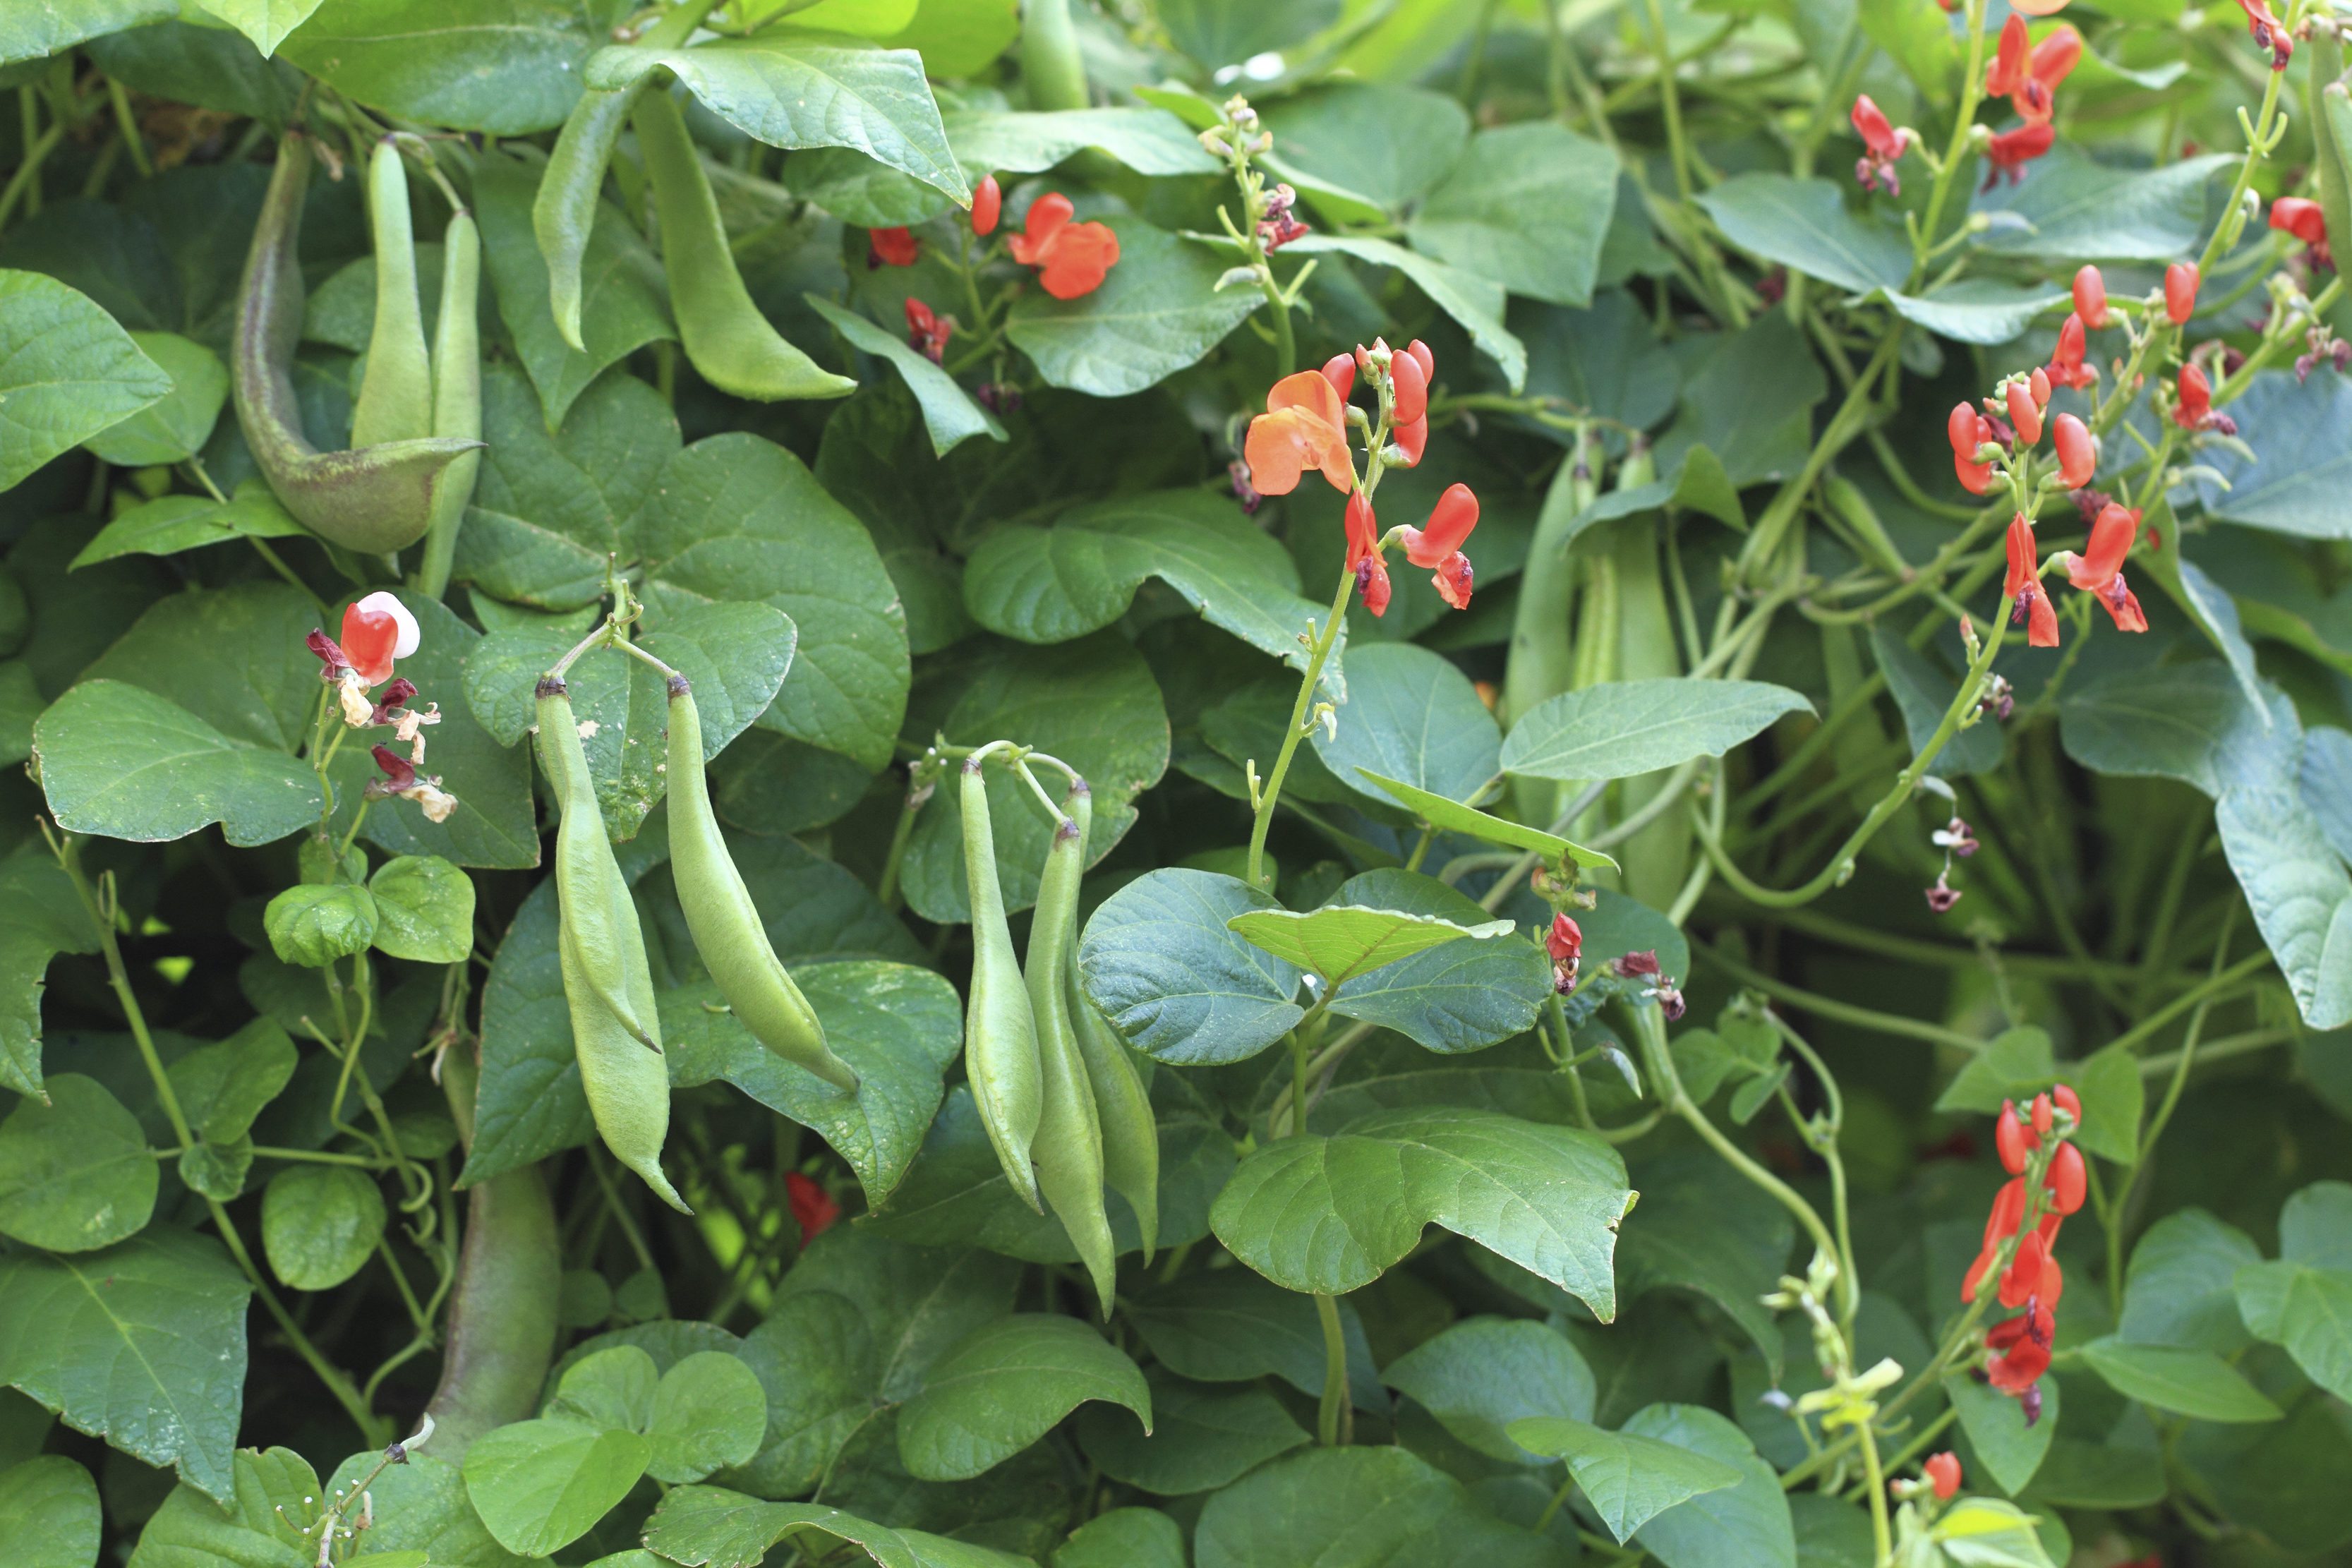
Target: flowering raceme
378, 630
2025, 1220
1071, 257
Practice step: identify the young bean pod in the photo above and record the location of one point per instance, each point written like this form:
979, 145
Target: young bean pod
1000, 1047
396, 400
726, 924
1051, 67
1069, 1144
1130, 1133
375, 498
502, 1310
457, 394
606, 980
563, 214
726, 337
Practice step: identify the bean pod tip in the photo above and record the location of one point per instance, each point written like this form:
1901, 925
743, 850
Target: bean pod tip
678, 686
551, 686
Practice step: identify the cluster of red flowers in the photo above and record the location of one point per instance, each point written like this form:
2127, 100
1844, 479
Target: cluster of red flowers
2018, 1349
1071, 258
2028, 74
377, 631
1565, 944
1882, 147
1304, 427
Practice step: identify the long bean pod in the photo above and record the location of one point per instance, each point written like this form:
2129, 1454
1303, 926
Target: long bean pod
1000, 1048
726, 337
1069, 1151
607, 982
1130, 1133
726, 924
563, 214
396, 400
457, 394
373, 499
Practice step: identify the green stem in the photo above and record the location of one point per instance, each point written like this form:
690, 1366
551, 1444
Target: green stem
1332, 1418
28, 172
901, 834
129, 126
1955, 154
1670, 99
1319, 650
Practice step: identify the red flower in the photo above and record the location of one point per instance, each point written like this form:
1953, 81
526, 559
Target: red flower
926, 332
2067, 1180
1450, 522
987, 202
2023, 587
2021, 1348
2196, 410
1943, 1473
2078, 460
1363, 539
1969, 430
2036, 98
1303, 427
1882, 145
1372, 583
812, 1207
1454, 580
2066, 367
889, 246
2033, 1275
2305, 221
2181, 292
2269, 32
2097, 571
1073, 256
1420, 351
1340, 370
377, 630
1565, 940
1411, 384
1412, 440
2091, 297
2011, 60
2011, 150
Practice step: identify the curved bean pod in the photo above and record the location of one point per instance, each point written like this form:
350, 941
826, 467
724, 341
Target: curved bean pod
457, 394
726, 337
563, 214
373, 499
1069, 1144
1130, 1133
396, 400
726, 924
1000, 1047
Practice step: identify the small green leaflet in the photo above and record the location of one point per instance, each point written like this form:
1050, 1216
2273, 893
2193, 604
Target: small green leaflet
1343, 941
1629, 1480
1451, 814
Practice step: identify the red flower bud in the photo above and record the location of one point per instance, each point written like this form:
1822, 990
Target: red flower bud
1340, 370
2181, 292
1363, 538
2091, 297
2067, 1180
2068, 1100
2009, 1138
987, 202
1412, 387
2039, 384
2077, 457
1943, 1473
814, 1208
1963, 427
2041, 1116
2023, 414
1420, 351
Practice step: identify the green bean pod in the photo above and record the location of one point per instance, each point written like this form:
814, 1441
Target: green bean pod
1051, 67
375, 498
1000, 1045
395, 400
503, 1308
726, 924
2331, 138
726, 337
563, 214
1069, 1144
606, 980
457, 394
1130, 1133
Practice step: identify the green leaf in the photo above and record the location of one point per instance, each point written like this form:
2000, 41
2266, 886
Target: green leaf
319, 1224
624, 300
542, 1485
1092, 703
1526, 206
1975, 309
221, 1088
141, 1345
1749, 1521
711, 1527
169, 524
1924, 694
1622, 729
899, 1026
1004, 1385
1365, 148
1157, 312
511, 69
1159, 959
1483, 1374
1412, 715
1148, 140
2284, 1479
2306, 1310
815, 1360
709, 1412
422, 1507
735, 518
1983, 1532
218, 1170
1050, 585
2302, 438
2075, 209
610, 1389
1330, 1214
40, 917
2178, 1290
1475, 302
313, 924
75, 1173
67, 372
2080, 1474
2113, 1093
49, 1514
2018, 1064
1231, 1325
949, 413
2009, 1450
33, 32
1702, 1230
1126, 1538
256, 1525
1749, 403
1227, 32
2315, 1226
2193, 1383
125, 763
2188, 721
1357, 1507
1450, 997
1203, 1436
790, 90
2298, 891
548, 509
1339, 941
265, 22
169, 431
1628, 1478
425, 910
1806, 227
1455, 818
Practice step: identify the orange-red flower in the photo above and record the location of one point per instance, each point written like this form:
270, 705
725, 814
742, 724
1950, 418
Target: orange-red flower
2078, 460
1969, 430
2180, 282
1340, 370
2091, 297
889, 246
2020, 1353
1412, 440
2195, 410
2066, 367
2011, 150
1943, 1473
928, 333
2305, 221
2033, 92
2023, 587
2098, 570
1072, 257
1450, 522
377, 630
1882, 147
1303, 427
